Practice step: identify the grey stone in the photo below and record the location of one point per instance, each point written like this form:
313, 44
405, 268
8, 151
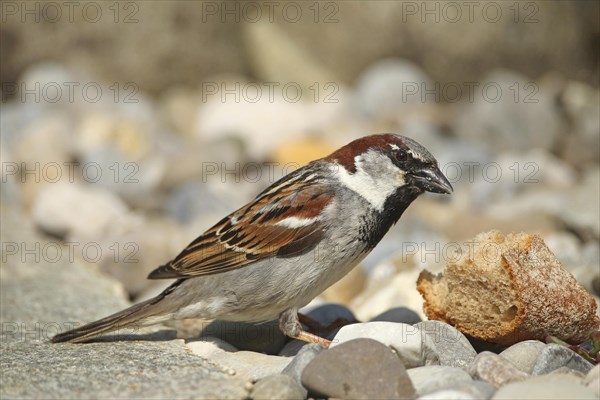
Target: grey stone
301, 360
112, 370
445, 345
548, 387
404, 339
523, 354
496, 370
292, 348
264, 338
398, 314
554, 356
278, 387
327, 314
358, 369
433, 378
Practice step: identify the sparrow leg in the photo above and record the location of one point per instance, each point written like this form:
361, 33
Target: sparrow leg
290, 326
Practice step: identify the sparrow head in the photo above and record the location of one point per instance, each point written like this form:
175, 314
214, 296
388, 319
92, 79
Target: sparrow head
378, 166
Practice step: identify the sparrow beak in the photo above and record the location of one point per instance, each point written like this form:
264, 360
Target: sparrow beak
432, 180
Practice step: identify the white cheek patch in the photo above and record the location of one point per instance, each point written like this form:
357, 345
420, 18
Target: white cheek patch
375, 179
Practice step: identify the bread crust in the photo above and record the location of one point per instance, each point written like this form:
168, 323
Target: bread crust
547, 299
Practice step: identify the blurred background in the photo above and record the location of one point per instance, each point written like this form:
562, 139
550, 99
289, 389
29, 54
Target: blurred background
128, 128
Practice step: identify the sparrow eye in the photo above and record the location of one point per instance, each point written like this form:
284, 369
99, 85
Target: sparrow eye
401, 155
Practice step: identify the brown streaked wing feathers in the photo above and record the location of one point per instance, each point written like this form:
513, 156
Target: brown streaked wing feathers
228, 246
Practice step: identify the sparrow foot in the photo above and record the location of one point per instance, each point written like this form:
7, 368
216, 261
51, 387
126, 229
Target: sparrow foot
290, 325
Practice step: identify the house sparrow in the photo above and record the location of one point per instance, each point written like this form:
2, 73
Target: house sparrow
294, 240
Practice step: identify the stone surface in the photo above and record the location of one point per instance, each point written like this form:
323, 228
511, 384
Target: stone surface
40, 299
278, 387
264, 338
398, 314
548, 387
112, 370
523, 354
404, 339
492, 368
247, 364
433, 378
445, 345
359, 369
554, 356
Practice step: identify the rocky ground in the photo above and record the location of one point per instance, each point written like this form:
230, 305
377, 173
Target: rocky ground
76, 246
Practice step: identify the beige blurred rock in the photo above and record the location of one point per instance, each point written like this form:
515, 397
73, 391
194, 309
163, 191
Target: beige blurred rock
77, 211
302, 151
346, 289
134, 250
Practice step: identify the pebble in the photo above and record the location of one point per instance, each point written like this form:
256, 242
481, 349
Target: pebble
492, 368
329, 313
549, 387
592, 380
359, 369
433, 378
398, 314
554, 356
523, 355
449, 394
445, 345
300, 361
478, 389
76, 211
278, 387
404, 339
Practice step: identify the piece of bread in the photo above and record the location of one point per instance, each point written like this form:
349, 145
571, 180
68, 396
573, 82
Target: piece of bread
505, 289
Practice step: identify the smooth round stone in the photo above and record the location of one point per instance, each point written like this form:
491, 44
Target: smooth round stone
445, 345
592, 380
300, 361
496, 370
433, 378
398, 314
549, 387
329, 313
404, 339
278, 387
449, 394
358, 369
523, 355
478, 389
568, 371
554, 356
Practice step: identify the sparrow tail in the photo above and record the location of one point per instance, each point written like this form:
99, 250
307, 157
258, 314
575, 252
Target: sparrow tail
148, 312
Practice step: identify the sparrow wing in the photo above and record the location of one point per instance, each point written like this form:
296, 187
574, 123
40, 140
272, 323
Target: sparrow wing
283, 221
